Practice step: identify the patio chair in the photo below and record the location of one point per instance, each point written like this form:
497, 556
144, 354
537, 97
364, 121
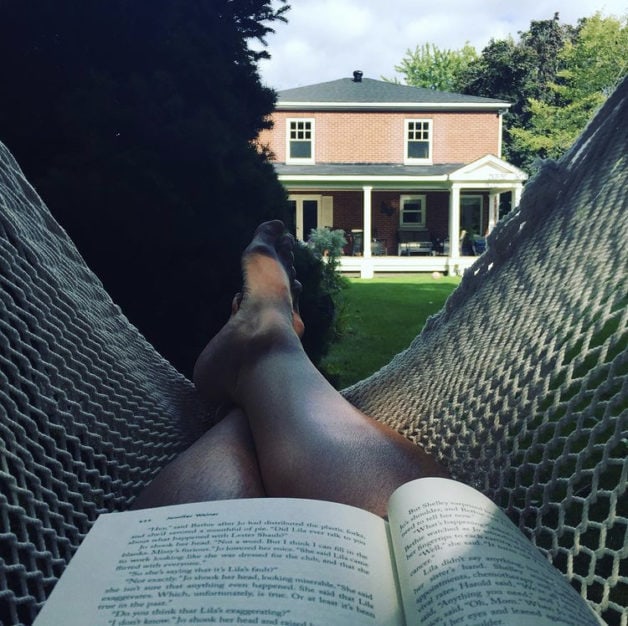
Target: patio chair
518, 385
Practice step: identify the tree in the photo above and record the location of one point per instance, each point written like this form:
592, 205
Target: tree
592, 65
516, 72
136, 122
542, 44
555, 75
499, 72
597, 59
431, 67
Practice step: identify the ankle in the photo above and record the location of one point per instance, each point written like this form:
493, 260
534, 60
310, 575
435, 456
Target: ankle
273, 333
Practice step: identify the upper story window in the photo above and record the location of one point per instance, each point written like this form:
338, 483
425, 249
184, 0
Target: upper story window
300, 141
418, 148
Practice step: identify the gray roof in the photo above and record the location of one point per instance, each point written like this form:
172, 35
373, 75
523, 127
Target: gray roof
366, 169
369, 91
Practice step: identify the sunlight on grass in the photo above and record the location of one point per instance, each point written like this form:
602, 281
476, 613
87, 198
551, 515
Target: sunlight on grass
380, 317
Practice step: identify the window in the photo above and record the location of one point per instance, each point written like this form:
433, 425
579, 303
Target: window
418, 141
300, 141
472, 214
412, 211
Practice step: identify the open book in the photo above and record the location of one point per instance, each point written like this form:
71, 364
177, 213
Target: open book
446, 556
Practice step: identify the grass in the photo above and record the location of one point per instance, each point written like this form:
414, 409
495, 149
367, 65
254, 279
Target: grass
379, 318
382, 316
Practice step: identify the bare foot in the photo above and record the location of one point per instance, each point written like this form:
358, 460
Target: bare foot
264, 316
284, 248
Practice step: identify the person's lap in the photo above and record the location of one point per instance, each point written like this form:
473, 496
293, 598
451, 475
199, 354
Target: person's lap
220, 465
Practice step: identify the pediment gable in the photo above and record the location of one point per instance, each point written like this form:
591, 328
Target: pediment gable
488, 168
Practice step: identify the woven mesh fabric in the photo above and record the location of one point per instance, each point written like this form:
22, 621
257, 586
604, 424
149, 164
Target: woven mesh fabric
88, 410
519, 384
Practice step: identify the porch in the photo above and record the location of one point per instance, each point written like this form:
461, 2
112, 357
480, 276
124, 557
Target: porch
367, 267
402, 218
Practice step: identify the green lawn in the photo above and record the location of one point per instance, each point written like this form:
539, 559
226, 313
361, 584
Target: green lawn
380, 317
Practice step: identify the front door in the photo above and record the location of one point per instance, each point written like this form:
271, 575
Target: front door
306, 212
472, 214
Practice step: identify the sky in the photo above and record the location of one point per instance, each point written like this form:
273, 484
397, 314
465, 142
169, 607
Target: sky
329, 39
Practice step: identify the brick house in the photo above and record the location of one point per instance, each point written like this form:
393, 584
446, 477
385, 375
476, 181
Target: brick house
402, 170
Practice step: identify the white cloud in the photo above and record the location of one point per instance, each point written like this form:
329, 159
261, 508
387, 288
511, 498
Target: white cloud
328, 39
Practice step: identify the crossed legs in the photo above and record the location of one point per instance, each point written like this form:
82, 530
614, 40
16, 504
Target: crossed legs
290, 433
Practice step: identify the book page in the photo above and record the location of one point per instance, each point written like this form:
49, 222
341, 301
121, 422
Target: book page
461, 561
268, 561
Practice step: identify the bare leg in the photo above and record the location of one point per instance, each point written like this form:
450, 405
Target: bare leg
310, 441
220, 465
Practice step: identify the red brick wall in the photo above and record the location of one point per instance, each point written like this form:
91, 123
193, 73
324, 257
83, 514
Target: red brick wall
378, 137
464, 137
348, 214
347, 209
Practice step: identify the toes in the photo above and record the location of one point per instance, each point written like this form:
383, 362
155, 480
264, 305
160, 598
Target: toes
285, 250
265, 239
297, 321
236, 302
273, 229
295, 289
285, 245
269, 232
298, 325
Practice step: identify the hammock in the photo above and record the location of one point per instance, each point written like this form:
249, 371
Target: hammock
518, 385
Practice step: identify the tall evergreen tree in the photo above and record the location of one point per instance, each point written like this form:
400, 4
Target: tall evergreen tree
136, 120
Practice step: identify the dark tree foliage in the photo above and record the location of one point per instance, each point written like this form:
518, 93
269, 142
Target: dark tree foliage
518, 71
135, 120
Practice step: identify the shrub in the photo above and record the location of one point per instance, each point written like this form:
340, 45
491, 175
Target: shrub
327, 245
320, 301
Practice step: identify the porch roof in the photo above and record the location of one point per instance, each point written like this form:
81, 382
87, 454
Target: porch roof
489, 171
368, 170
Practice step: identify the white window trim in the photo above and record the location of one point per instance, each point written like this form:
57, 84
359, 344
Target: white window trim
422, 198
308, 160
407, 160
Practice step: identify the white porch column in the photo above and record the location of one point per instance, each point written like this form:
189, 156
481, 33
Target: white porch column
517, 190
454, 228
367, 237
493, 209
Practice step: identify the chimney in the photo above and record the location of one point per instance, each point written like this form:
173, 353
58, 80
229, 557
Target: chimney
357, 76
